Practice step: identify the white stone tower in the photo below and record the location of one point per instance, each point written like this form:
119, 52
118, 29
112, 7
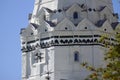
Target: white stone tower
64, 33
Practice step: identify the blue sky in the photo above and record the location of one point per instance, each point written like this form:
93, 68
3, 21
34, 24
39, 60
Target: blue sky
13, 17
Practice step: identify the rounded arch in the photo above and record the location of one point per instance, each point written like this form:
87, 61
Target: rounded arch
56, 41
76, 41
88, 40
66, 41
70, 41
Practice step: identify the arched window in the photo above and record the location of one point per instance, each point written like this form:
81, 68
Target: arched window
76, 41
75, 15
56, 41
76, 56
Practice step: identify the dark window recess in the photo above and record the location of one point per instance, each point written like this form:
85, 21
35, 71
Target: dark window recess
38, 57
66, 28
95, 40
31, 33
66, 41
85, 27
56, 41
84, 41
112, 39
94, 9
45, 30
59, 10
76, 56
88, 40
23, 42
76, 41
105, 29
75, 15
61, 41
90, 9
70, 41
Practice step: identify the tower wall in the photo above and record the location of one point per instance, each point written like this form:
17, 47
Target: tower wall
62, 34
62, 4
69, 69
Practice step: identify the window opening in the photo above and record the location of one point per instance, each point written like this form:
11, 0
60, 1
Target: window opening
45, 30
59, 10
31, 33
75, 15
38, 57
90, 9
66, 28
105, 29
85, 27
76, 56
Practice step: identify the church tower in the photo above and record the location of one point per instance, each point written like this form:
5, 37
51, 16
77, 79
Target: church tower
62, 34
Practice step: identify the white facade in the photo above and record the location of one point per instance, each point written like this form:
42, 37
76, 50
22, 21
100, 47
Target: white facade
62, 34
